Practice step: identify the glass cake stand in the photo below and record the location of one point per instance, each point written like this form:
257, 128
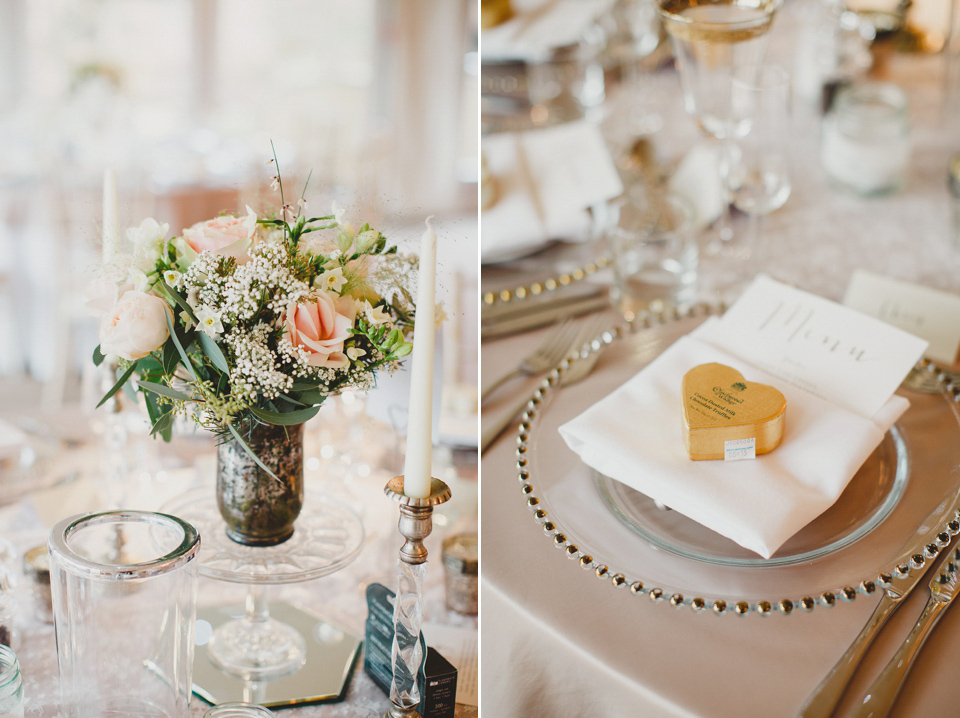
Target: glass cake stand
247, 643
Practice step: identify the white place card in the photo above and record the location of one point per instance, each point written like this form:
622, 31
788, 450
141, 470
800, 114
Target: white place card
831, 351
929, 313
572, 170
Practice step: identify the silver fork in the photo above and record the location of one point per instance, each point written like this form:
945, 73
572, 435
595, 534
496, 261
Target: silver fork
884, 691
578, 370
546, 356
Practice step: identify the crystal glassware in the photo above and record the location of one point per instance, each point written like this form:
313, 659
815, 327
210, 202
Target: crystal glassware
710, 41
758, 174
124, 589
238, 709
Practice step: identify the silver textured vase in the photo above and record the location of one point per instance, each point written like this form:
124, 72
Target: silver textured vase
260, 510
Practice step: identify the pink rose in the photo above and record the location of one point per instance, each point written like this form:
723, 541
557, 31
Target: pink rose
136, 326
320, 327
227, 235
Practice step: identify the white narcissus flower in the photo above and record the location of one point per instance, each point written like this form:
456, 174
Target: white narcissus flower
138, 278
332, 280
355, 353
171, 276
374, 315
209, 322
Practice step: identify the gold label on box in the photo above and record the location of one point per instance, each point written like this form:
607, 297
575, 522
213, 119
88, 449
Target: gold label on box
720, 406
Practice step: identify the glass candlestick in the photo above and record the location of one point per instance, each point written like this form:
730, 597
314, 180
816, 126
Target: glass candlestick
416, 523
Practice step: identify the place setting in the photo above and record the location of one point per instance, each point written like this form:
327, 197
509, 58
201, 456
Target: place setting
753, 267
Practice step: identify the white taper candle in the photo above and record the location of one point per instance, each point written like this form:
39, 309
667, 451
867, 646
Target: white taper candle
111, 230
417, 466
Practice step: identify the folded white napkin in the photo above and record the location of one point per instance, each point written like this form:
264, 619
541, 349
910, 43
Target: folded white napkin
12, 440
697, 179
545, 182
538, 27
634, 435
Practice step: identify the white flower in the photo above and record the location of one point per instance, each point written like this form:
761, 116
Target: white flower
331, 280
209, 321
171, 277
374, 315
138, 278
136, 326
149, 234
338, 212
302, 204
275, 183
355, 353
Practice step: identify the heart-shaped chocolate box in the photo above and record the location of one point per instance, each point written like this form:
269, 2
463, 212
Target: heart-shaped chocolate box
719, 405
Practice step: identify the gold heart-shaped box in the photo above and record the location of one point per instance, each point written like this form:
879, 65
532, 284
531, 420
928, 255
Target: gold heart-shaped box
719, 405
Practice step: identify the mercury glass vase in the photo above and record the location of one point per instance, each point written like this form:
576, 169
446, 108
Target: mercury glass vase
260, 509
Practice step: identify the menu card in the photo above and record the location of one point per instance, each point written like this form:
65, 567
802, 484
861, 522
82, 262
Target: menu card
831, 351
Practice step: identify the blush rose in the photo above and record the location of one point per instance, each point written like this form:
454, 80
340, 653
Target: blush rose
228, 235
320, 325
135, 326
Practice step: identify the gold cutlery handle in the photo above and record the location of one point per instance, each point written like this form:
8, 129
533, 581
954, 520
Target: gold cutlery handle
884, 691
823, 702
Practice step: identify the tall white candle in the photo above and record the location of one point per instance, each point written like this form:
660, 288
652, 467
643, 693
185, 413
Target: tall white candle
111, 229
417, 468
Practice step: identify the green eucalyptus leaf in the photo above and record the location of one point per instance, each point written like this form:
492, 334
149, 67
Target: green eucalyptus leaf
164, 390
180, 301
288, 418
120, 382
213, 352
183, 355
163, 425
97, 356
313, 397
246, 447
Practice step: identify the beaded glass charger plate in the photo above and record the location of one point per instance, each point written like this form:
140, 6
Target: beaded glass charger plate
907, 492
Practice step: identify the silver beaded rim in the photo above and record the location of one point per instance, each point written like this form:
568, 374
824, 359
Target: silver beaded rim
949, 385
548, 285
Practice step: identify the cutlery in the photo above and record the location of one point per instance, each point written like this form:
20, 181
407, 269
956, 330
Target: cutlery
927, 541
504, 318
554, 347
577, 371
884, 691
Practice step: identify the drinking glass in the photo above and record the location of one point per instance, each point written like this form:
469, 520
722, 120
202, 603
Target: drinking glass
654, 241
124, 589
710, 41
758, 173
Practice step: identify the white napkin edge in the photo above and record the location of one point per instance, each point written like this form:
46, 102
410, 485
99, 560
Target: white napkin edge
599, 458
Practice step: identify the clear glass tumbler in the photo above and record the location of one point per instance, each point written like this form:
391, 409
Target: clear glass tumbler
11, 685
655, 245
124, 589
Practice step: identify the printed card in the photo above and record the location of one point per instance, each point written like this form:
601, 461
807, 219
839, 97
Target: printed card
832, 351
929, 313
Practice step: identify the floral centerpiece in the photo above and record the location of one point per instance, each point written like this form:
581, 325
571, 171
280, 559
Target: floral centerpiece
247, 324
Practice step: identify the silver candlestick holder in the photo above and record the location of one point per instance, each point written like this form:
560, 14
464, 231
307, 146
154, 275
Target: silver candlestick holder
416, 523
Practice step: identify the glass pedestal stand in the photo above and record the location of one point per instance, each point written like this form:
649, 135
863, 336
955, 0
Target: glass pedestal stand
244, 652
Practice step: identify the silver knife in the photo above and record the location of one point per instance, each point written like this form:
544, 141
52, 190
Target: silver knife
884, 691
926, 543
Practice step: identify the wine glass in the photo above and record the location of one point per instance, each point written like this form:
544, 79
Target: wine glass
758, 171
633, 33
710, 41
